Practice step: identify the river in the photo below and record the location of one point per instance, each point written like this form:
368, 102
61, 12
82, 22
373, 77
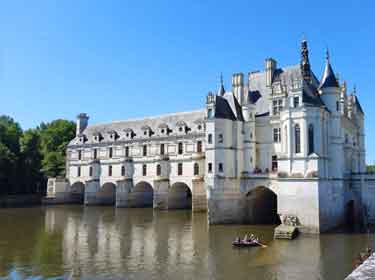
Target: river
76, 242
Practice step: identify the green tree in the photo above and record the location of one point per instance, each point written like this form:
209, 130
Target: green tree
55, 137
31, 158
10, 133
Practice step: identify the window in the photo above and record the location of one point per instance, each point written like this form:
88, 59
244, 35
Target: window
179, 169
277, 135
144, 150
180, 148
158, 170
90, 171
221, 139
274, 163
337, 106
144, 170
95, 153
297, 139
79, 155
311, 139
209, 114
209, 167
110, 170
79, 171
122, 170
199, 127
277, 106
196, 169
295, 101
209, 138
127, 151
110, 152
221, 167
180, 129
162, 149
199, 146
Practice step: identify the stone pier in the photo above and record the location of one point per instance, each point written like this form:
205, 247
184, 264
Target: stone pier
365, 271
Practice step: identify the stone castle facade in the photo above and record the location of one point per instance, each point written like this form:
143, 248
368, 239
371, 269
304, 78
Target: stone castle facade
279, 144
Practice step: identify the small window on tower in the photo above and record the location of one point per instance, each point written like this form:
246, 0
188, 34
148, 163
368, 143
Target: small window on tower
220, 139
296, 101
209, 167
221, 167
209, 139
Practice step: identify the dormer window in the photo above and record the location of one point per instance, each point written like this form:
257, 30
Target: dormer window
97, 137
129, 133
82, 138
113, 135
199, 124
163, 129
182, 127
147, 131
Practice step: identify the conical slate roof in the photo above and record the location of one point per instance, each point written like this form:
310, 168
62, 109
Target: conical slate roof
329, 78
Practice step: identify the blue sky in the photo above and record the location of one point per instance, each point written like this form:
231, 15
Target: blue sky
123, 59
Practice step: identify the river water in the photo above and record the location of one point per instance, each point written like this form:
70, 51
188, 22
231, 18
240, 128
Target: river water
76, 242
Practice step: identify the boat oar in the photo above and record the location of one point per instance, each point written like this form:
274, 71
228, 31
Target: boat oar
260, 244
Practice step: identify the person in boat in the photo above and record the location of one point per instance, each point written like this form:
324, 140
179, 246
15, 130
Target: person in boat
238, 239
245, 239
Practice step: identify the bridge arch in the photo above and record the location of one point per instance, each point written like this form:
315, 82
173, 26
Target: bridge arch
77, 192
107, 194
260, 206
179, 196
142, 195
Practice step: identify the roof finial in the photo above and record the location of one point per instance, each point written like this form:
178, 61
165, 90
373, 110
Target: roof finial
355, 89
221, 88
327, 54
305, 64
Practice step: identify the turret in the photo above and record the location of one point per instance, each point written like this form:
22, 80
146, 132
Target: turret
270, 65
329, 87
82, 122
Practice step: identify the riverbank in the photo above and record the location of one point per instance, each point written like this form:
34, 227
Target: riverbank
20, 200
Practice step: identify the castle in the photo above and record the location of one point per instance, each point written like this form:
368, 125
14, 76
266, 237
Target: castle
281, 144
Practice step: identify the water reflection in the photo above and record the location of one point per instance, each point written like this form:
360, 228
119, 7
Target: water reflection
73, 242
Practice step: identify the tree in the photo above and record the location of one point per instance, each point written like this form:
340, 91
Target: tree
31, 158
55, 137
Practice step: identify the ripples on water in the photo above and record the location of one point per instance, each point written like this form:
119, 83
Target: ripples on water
73, 242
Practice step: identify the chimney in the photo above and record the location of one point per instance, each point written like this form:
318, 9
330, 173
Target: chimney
270, 64
82, 122
237, 86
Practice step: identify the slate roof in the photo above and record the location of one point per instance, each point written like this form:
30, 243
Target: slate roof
136, 125
329, 78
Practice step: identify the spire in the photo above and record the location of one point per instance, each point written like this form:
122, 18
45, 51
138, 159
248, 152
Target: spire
329, 78
221, 90
305, 63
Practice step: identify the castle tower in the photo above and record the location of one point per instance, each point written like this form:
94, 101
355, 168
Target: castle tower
82, 122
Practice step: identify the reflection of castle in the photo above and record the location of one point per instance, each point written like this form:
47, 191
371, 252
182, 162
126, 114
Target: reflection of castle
299, 139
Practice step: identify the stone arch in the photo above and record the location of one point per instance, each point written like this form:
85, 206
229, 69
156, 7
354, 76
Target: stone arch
107, 194
260, 206
142, 195
77, 192
179, 196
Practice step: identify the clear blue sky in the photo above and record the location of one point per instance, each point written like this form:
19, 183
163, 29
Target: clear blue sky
123, 59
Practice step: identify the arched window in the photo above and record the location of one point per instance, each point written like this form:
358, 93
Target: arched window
180, 148
79, 171
122, 170
221, 167
311, 139
199, 146
79, 155
90, 171
162, 149
110, 170
95, 153
158, 170
110, 152
196, 169
144, 170
127, 151
209, 138
297, 139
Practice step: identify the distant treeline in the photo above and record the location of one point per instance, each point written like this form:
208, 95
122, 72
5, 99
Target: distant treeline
28, 158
